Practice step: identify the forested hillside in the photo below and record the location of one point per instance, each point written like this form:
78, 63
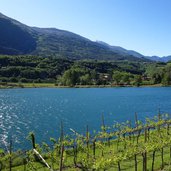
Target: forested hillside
20, 39
33, 69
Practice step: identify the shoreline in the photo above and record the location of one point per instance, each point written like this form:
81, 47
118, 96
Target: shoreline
52, 85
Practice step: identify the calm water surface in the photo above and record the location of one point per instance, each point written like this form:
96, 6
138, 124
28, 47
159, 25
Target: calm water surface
42, 109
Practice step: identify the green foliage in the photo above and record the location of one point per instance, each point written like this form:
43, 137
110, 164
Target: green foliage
102, 153
31, 68
34, 69
121, 78
75, 76
155, 73
137, 80
167, 75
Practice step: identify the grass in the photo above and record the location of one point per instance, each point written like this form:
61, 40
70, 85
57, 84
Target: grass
53, 85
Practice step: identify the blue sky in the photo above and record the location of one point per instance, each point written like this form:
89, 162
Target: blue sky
141, 25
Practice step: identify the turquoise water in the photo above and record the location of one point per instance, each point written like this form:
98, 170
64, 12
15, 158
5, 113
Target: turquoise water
42, 109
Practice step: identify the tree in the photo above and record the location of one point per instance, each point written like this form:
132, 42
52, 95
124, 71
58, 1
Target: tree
166, 80
85, 79
137, 80
116, 77
69, 78
155, 73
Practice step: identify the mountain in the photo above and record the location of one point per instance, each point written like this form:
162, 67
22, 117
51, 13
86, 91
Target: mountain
125, 52
121, 50
15, 37
159, 59
18, 39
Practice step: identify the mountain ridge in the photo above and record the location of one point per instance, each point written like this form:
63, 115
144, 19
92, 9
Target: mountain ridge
19, 39
122, 50
159, 59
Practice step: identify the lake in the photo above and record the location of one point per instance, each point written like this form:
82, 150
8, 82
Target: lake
42, 109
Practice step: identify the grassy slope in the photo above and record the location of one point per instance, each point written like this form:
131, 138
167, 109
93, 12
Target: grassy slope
127, 165
104, 151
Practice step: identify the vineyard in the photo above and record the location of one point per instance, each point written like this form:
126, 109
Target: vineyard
122, 146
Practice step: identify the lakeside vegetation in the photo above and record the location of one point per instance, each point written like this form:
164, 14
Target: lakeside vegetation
27, 71
122, 146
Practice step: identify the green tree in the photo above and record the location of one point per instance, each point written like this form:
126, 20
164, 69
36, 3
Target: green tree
116, 77
85, 79
137, 80
166, 79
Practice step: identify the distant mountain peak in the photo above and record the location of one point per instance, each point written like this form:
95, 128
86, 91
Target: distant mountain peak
3, 16
121, 50
159, 59
17, 38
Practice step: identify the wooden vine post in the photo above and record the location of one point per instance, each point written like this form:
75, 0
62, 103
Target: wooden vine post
10, 153
153, 159
136, 163
144, 154
33, 140
61, 147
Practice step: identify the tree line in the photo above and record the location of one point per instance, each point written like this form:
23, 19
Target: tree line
35, 69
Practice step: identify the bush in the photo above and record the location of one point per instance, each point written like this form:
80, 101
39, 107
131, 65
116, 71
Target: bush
13, 79
24, 80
